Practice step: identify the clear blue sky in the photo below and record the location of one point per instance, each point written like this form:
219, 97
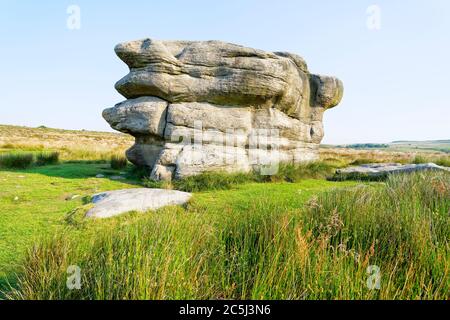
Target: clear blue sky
396, 79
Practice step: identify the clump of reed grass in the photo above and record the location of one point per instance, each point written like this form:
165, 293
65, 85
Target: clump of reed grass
118, 162
420, 159
47, 158
443, 161
301, 171
16, 160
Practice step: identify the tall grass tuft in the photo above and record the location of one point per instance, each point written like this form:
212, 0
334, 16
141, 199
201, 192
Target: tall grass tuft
264, 250
118, 162
16, 160
298, 172
212, 181
223, 180
47, 158
419, 159
443, 161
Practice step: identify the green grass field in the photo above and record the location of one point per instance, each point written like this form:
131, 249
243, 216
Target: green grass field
293, 236
313, 239
35, 202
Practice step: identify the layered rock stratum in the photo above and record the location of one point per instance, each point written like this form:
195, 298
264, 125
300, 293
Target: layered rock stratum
196, 106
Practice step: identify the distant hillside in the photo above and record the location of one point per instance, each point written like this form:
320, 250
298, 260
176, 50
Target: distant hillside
366, 146
429, 141
432, 145
400, 145
26, 138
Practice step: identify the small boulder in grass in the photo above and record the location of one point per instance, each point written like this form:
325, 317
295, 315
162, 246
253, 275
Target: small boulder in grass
112, 203
117, 178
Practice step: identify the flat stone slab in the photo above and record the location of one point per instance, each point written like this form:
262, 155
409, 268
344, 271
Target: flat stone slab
113, 203
378, 169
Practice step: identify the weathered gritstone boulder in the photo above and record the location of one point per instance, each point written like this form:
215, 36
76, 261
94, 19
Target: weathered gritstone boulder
196, 106
384, 169
112, 203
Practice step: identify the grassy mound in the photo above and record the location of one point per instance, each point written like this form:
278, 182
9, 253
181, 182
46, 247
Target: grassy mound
267, 247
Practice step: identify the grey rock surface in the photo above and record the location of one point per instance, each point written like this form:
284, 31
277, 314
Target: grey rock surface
145, 115
113, 203
223, 97
377, 169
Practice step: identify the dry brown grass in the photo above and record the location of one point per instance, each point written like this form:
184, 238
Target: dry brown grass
82, 145
71, 144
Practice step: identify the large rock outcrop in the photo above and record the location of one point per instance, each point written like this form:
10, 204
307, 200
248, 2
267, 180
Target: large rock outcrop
195, 106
